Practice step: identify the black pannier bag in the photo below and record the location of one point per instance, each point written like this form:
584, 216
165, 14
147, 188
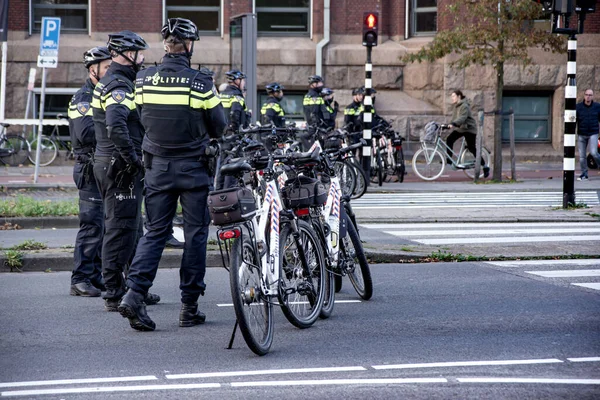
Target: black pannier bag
332, 143
229, 206
302, 192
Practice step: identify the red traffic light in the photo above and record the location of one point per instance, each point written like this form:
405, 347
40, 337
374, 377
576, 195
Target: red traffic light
371, 21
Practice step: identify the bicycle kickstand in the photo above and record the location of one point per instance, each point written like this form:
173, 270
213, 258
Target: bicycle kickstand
230, 345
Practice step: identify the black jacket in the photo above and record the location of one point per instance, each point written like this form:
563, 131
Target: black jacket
315, 110
81, 124
179, 108
588, 118
116, 120
235, 108
272, 113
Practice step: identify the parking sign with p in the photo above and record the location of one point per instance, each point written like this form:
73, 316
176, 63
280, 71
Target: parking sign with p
48, 57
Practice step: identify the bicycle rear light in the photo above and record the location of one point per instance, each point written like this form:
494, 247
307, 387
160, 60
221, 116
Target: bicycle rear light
230, 234
301, 212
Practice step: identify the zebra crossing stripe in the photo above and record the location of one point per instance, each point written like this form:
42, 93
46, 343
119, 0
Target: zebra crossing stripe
477, 225
493, 232
595, 286
566, 273
512, 239
523, 263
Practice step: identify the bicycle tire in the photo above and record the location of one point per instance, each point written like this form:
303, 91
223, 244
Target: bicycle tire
466, 158
400, 165
428, 171
301, 291
255, 319
347, 177
17, 149
338, 283
379, 168
354, 262
48, 151
361, 181
329, 286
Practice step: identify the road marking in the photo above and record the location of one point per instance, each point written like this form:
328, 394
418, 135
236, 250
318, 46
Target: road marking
110, 389
520, 239
566, 274
482, 205
382, 381
77, 381
595, 286
478, 232
468, 363
264, 372
584, 359
531, 380
590, 261
298, 302
478, 225
17, 181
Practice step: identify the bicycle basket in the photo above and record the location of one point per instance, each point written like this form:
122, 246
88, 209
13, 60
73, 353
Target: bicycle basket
431, 132
303, 192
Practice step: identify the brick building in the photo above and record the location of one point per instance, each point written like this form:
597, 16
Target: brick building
289, 32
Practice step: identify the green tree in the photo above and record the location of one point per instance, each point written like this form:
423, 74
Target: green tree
490, 32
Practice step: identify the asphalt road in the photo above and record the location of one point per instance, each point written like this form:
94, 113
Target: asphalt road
520, 336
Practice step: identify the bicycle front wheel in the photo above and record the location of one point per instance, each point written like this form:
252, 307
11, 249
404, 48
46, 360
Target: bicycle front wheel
345, 172
254, 312
354, 262
48, 151
361, 181
301, 291
400, 166
467, 158
428, 163
14, 150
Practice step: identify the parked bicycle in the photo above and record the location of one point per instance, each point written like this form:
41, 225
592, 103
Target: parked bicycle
50, 146
429, 161
14, 149
388, 156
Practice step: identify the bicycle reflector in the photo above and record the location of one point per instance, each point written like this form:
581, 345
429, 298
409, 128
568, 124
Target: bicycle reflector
230, 234
370, 28
301, 212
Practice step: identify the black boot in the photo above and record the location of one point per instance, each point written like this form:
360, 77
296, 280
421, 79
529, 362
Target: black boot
112, 298
173, 243
133, 308
84, 289
190, 316
151, 299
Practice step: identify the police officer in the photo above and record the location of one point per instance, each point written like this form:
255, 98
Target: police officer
86, 279
271, 112
236, 114
331, 106
181, 111
315, 110
118, 160
353, 113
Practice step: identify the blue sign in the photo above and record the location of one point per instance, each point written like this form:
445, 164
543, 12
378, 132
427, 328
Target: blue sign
49, 42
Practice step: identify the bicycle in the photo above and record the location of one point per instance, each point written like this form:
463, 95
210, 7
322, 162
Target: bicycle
49, 147
429, 161
14, 149
271, 254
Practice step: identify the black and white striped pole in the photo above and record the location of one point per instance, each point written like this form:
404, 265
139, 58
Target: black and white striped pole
370, 28
570, 124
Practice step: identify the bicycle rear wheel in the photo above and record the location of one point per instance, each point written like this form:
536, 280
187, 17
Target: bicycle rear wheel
254, 312
347, 176
467, 158
301, 291
428, 163
361, 181
48, 151
354, 262
14, 150
400, 169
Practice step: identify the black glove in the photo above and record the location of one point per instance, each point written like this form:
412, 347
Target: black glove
134, 168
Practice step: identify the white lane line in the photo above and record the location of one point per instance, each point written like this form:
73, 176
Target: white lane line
520, 239
582, 262
382, 381
482, 205
468, 363
264, 372
15, 393
479, 225
298, 302
17, 181
531, 380
584, 359
595, 286
77, 381
566, 274
479, 232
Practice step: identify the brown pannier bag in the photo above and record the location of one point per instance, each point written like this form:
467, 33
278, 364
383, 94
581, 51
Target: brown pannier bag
230, 206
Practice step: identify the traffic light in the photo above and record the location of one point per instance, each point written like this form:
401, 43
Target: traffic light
585, 6
370, 27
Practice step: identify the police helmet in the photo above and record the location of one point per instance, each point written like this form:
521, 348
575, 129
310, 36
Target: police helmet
207, 71
234, 74
125, 41
95, 55
358, 90
314, 79
273, 87
326, 92
180, 28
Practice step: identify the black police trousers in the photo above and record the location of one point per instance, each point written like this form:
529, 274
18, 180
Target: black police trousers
122, 226
168, 180
88, 244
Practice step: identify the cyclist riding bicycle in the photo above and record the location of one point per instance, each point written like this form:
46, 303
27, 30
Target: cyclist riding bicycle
463, 125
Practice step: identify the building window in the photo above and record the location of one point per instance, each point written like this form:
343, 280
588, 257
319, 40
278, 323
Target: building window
73, 14
283, 17
206, 14
532, 116
291, 104
424, 17
56, 103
